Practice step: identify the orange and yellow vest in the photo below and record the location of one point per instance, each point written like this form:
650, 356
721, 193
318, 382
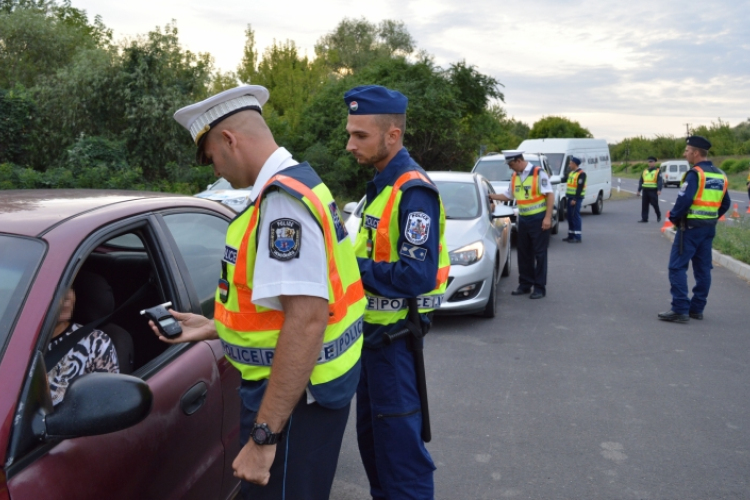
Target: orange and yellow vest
572, 185
528, 194
650, 178
249, 333
711, 190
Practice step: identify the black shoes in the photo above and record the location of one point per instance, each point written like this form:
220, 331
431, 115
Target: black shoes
674, 317
643, 221
658, 219
574, 241
520, 291
696, 315
567, 240
536, 295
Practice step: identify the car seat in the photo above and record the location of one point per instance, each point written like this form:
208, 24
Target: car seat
94, 301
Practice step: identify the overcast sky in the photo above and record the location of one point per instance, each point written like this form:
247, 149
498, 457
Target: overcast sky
641, 67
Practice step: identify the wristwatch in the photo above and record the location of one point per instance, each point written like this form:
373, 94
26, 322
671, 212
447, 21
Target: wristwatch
261, 434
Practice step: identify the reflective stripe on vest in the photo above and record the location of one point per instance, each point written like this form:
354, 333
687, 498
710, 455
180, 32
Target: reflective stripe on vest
385, 209
249, 333
650, 178
706, 202
528, 204
572, 185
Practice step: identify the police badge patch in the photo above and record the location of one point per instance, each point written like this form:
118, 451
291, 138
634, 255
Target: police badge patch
285, 239
544, 182
417, 228
341, 231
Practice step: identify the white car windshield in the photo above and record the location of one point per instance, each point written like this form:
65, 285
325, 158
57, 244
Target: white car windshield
495, 170
460, 199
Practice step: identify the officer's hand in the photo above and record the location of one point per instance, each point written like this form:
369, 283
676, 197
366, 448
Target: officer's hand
253, 463
194, 328
573, 202
639, 193
546, 223
658, 193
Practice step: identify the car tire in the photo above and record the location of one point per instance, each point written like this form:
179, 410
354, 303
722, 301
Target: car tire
561, 210
556, 226
491, 308
506, 268
598, 205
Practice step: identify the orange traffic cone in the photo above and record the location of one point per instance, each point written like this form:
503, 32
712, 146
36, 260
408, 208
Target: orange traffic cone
748, 209
722, 218
667, 223
735, 213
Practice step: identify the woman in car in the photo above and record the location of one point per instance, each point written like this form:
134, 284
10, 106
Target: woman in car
94, 352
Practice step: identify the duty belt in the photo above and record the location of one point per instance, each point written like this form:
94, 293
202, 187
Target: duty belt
522, 209
375, 303
703, 212
258, 356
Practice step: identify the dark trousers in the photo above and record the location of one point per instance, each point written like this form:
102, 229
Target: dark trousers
696, 247
574, 218
649, 197
306, 457
532, 253
389, 426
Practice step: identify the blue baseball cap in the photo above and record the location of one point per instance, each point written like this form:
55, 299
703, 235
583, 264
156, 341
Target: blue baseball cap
375, 100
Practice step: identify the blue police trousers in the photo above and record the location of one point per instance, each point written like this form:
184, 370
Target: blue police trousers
696, 248
574, 218
389, 426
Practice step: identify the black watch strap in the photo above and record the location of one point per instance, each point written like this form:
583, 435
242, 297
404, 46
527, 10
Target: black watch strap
262, 435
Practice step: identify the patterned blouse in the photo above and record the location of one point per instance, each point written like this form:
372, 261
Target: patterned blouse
93, 353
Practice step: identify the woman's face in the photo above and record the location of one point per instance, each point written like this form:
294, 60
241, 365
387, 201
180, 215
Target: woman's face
69, 302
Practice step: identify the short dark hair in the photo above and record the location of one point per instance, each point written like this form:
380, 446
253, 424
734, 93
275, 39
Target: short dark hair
396, 120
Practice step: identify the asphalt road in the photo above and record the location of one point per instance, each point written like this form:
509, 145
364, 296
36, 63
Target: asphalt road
585, 394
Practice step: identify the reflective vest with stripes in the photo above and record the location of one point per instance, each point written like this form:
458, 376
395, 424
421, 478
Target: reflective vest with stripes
380, 246
712, 186
249, 333
650, 178
572, 185
528, 193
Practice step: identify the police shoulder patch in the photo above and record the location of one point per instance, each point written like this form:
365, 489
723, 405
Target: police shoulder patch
544, 182
412, 252
285, 239
417, 229
341, 232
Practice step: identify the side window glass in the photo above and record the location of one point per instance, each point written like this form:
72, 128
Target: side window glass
200, 239
566, 166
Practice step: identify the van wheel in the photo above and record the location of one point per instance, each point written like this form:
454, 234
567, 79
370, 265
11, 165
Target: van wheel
556, 226
491, 308
598, 205
561, 210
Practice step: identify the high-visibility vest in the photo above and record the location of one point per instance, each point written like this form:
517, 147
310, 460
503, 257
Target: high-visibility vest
249, 333
380, 246
572, 185
706, 202
528, 194
650, 178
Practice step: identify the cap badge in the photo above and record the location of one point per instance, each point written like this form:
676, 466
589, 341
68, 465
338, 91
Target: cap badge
353, 106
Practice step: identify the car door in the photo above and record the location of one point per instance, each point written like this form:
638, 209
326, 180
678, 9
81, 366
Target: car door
177, 450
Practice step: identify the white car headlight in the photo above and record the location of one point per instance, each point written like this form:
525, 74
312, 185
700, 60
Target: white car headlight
465, 256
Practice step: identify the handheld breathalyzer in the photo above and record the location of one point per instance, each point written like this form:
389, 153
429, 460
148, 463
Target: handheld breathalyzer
165, 322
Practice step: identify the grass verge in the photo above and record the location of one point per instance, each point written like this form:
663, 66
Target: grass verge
733, 239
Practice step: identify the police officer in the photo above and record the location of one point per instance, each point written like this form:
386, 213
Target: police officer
289, 293
575, 191
402, 254
702, 199
650, 183
530, 186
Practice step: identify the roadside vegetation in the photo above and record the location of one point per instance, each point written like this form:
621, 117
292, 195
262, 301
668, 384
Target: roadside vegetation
733, 239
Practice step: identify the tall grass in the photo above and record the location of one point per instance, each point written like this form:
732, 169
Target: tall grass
733, 239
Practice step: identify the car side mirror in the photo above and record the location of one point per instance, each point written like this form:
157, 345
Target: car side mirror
554, 179
502, 211
350, 207
99, 403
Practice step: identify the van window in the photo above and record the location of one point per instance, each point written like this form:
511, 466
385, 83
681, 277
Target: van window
555, 162
683, 168
673, 168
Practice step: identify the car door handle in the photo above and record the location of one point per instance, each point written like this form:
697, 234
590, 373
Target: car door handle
193, 399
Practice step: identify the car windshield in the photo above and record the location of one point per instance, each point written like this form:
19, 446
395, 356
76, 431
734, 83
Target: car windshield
460, 199
220, 184
495, 170
19, 260
555, 162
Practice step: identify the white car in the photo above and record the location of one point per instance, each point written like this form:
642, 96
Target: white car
223, 192
478, 241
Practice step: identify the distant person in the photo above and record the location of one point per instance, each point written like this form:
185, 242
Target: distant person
702, 199
530, 187
650, 183
574, 192
94, 352
748, 190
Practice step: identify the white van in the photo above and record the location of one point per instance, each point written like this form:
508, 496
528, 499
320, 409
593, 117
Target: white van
595, 161
672, 171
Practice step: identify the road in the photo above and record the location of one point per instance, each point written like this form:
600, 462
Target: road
585, 394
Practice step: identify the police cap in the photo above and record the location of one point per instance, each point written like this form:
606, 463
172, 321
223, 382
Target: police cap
651, 158
375, 100
576, 160
512, 154
699, 142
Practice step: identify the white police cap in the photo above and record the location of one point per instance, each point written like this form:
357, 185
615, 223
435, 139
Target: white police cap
512, 154
198, 118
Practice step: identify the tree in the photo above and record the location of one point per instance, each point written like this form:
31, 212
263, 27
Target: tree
558, 126
17, 113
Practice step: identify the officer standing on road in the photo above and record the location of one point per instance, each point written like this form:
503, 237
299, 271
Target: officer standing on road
290, 293
574, 192
650, 183
702, 199
531, 188
402, 255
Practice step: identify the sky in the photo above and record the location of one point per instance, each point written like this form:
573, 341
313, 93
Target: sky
621, 69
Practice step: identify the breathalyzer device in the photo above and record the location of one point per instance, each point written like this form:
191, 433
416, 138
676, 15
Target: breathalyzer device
165, 322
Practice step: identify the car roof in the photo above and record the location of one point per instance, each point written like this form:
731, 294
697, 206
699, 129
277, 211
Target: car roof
452, 176
32, 212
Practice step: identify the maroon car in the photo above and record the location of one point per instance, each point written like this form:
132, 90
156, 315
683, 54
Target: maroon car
168, 425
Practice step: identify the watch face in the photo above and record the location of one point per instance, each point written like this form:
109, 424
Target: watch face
260, 435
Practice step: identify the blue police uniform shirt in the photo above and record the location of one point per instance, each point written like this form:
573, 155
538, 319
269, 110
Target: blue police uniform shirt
687, 193
408, 277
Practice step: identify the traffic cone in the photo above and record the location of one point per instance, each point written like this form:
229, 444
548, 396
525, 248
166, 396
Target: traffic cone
722, 218
667, 223
735, 213
748, 209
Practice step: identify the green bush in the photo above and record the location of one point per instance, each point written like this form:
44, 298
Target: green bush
738, 166
638, 167
622, 167
727, 165
734, 239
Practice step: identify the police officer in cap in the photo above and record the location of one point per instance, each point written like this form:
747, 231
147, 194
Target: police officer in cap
530, 186
702, 199
574, 192
402, 255
650, 184
289, 294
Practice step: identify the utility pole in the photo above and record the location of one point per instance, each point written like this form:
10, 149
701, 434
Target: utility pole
687, 129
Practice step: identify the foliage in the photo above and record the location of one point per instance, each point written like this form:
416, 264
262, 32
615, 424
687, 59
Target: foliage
734, 239
17, 112
558, 126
